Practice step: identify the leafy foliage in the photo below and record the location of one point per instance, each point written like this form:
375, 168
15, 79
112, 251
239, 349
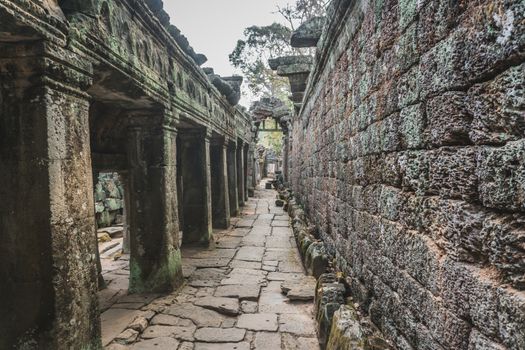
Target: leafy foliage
251, 56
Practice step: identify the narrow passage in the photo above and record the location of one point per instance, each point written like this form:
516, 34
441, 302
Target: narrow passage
233, 297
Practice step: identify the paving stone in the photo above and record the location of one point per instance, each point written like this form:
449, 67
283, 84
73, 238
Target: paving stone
163, 343
262, 222
279, 254
201, 263
139, 324
272, 300
258, 322
245, 276
229, 322
249, 307
278, 242
200, 316
291, 267
115, 321
241, 291
269, 268
240, 232
279, 230
299, 324
207, 277
266, 216
204, 292
245, 264
127, 337
244, 223
168, 320
261, 231
252, 240
226, 306
283, 276
250, 253
222, 346
186, 346
195, 253
280, 224
128, 306
220, 335
229, 242
291, 342
267, 340
179, 332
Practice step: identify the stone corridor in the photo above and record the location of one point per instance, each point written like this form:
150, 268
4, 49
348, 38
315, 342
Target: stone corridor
233, 295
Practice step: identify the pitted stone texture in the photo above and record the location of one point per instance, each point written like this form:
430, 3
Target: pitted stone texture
162, 343
258, 322
219, 335
226, 306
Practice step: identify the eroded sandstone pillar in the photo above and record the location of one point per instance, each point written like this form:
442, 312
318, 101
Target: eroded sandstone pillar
240, 172
246, 163
196, 184
155, 261
219, 183
48, 275
232, 178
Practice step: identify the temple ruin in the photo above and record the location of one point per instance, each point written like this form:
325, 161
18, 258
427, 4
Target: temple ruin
396, 218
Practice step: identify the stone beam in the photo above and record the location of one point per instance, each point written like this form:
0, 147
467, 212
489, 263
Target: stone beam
309, 33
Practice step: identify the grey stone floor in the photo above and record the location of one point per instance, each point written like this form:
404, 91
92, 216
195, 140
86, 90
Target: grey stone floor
232, 298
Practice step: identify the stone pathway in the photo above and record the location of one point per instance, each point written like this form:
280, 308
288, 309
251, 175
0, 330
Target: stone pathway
232, 299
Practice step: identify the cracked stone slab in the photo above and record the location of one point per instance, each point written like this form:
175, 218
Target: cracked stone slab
168, 320
258, 322
163, 343
267, 340
222, 346
226, 306
220, 335
202, 263
241, 291
249, 307
178, 332
284, 276
250, 253
254, 265
298, 324
209, 253
200, 316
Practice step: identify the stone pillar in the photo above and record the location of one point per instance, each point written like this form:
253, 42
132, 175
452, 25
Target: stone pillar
48, 275
196, 187
245, 171
252, 171
240, 172
124, 178
101, 281
155, 261
286, 156
232, 178
219, 183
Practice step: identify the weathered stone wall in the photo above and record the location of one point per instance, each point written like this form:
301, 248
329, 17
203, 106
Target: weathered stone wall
109, 200
409, 157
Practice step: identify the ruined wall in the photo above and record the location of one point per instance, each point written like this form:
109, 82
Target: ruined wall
409, 157
109, 200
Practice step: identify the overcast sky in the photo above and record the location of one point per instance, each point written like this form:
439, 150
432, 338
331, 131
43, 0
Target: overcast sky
214, 26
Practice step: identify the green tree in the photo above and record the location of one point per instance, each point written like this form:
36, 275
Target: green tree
261, 43
252, 53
